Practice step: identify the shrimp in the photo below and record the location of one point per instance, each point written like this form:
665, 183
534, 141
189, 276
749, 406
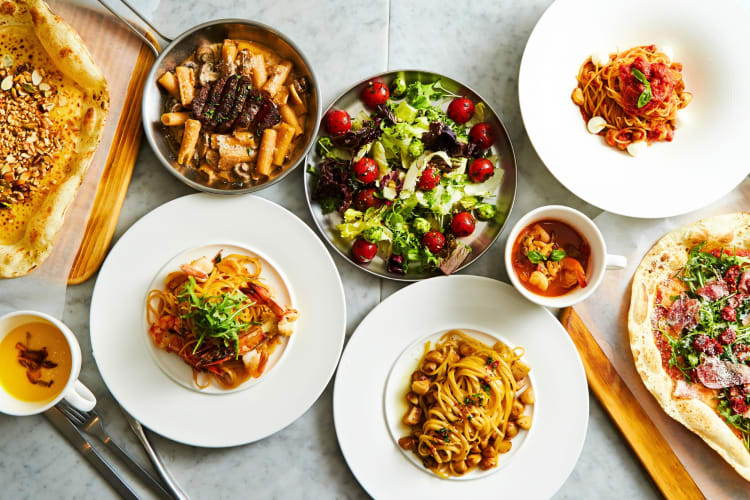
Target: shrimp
200, 269
572, 273
286, 316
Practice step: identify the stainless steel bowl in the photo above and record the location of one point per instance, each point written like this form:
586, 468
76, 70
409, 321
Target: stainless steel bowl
485, 234
180, 48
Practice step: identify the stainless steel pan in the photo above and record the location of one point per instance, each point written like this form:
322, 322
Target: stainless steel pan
179, 48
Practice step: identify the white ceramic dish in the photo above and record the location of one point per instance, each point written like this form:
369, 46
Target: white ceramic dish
599, 261
173, 365
705, 160
395, 405
472, 303
117, 327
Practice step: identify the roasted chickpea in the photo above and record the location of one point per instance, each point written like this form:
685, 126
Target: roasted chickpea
412, 398
504, 446
421, 387
407, 443
429, 368
488, 463
465, 349
459, 466
511, 430
473, 459
516, 410
524, 422
519, 369
412, 416
434, 356
528, 397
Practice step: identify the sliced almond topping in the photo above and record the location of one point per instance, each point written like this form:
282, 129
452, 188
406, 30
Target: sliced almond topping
7, 83
36, 78
44, 87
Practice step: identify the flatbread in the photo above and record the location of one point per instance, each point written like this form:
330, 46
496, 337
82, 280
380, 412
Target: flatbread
659, 265
30, 34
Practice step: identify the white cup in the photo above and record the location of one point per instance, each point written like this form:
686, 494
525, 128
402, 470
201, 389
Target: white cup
74, 392
599, 261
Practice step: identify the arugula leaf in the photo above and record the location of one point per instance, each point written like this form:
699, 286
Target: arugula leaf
214, 316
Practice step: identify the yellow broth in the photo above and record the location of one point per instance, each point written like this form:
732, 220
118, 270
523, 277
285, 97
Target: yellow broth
13, 375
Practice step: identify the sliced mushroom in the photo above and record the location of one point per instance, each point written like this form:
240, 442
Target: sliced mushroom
212, 158
301, 85
242, 171
207, 74
206, 54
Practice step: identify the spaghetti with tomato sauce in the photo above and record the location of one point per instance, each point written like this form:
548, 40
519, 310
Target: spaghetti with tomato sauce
632, 98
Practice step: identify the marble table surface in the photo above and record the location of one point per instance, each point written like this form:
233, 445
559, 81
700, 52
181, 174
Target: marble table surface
480, 43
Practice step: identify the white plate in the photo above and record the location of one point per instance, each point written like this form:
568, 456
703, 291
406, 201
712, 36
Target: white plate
707, 157
117, 327
549, 452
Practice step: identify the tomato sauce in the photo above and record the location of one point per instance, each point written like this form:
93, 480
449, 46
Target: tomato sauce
565, 238
658, 76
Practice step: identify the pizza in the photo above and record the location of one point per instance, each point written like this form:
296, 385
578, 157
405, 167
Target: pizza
689, 324
53, 105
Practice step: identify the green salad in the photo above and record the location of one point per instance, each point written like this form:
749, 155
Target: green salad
410, 177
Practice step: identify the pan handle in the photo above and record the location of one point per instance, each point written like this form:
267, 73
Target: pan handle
147, 38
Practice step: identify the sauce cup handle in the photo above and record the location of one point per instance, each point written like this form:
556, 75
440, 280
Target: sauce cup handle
616, 262
80, 397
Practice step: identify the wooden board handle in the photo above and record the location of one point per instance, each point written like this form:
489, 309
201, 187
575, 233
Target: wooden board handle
647, 442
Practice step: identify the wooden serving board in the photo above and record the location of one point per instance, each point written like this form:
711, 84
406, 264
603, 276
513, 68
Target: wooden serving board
115, 177
644, 438
125, 62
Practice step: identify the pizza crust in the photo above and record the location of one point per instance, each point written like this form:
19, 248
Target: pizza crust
70, 56
664, 259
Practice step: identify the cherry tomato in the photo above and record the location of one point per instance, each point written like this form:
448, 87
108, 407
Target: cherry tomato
363, 251
481, 135
434, 241
375, 93
462, 224
429, 179
480, 170
365, 170
366, 199
460, 110
337, 122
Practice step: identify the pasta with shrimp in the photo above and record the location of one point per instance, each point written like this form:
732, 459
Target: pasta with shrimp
220, 318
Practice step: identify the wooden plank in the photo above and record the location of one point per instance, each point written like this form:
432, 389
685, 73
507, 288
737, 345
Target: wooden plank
644, 438
115, 178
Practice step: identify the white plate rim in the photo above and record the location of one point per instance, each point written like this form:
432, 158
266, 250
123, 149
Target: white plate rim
335, 327
640, 207
486, 482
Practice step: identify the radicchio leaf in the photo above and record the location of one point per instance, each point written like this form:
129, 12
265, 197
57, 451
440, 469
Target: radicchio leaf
442, 138
334, 182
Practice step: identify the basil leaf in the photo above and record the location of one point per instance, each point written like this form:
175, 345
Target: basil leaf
639, 76
534, 256
644, 98
557, 255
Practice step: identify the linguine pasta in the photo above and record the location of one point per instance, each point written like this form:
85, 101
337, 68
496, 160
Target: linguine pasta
465, 405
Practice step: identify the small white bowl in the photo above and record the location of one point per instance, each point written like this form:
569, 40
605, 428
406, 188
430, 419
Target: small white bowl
599, 260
